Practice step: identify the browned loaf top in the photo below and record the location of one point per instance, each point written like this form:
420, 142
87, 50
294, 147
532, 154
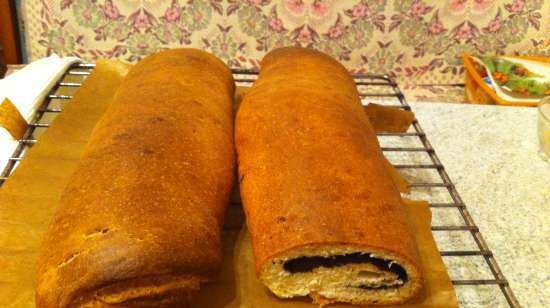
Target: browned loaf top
310, 167
139, 223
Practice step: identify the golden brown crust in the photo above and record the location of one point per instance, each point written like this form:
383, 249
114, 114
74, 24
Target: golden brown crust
146, 203
310, 167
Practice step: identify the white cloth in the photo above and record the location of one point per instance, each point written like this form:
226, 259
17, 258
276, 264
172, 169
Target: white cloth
26, 89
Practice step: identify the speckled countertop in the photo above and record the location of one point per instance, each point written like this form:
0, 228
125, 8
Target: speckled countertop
491, 155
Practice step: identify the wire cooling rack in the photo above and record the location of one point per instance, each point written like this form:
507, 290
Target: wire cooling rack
477, 278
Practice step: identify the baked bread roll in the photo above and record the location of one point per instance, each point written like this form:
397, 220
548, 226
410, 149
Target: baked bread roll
139, 224
325, 217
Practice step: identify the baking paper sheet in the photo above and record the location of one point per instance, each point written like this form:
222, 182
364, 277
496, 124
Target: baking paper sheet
388, 119
11, 120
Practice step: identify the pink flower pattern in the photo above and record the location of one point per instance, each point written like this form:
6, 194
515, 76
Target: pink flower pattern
482, 5
494, 25
173, 13
255, 2
465, 32
275, 24
335, 31
435, 27
418, 8
457, 6
320, 7
517, 6
360, 10
142, 20
111, 11
305, 36
415, 40
296, 6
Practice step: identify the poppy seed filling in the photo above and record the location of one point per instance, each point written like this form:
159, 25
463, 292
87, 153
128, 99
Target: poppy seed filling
309, 263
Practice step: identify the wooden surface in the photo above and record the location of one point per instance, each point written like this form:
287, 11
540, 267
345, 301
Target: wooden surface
9, 33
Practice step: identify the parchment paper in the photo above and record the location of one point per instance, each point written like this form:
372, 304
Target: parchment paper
30, 196
11, 120
388, 119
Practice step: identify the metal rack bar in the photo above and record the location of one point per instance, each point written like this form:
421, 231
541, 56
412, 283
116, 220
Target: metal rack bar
55, 96
50, 110
501, 282
363, 94
408, 108
70, 84
79, 73
248, 76
474, 230
463, 253
39, 125
419, 166
420, 185
400, 134
394, 149
445, 205
34, 123
365, 83
455, 228
85, 65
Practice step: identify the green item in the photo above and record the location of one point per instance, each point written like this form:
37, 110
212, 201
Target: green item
489, 63
504, 66
524, 84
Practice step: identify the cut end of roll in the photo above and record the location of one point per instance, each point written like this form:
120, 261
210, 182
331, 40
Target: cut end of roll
331, 274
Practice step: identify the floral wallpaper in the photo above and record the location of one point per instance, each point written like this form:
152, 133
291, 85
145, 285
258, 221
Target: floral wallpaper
419, 40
